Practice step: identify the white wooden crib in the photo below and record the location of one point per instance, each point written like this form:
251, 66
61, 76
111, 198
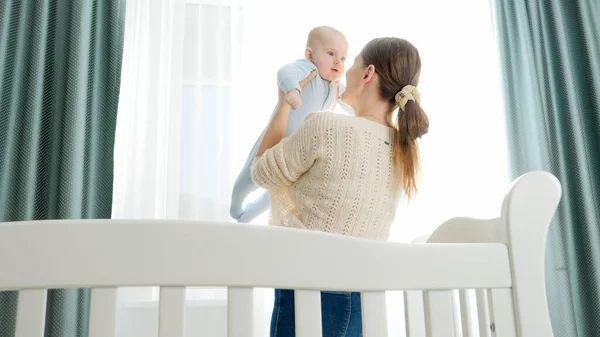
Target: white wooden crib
501, 259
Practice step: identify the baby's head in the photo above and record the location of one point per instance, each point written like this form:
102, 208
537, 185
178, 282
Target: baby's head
327, 48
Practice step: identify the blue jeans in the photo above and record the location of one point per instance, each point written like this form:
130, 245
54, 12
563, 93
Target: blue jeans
340, 314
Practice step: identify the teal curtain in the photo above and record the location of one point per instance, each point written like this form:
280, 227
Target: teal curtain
550, 63
60, 66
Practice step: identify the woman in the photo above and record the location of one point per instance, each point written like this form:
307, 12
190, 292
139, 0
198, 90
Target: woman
344, 175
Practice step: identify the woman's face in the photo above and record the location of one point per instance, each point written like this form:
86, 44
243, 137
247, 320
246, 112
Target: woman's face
354, 85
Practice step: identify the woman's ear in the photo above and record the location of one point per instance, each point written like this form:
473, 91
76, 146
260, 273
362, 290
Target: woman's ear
369, 73
308, 54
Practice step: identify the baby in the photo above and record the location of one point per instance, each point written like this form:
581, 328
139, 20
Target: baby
326, 51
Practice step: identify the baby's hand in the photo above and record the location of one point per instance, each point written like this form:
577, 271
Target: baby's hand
294, 99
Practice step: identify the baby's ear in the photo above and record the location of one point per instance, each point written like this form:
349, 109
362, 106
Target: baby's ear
308, 54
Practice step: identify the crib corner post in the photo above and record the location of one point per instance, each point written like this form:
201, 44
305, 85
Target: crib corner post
526, 215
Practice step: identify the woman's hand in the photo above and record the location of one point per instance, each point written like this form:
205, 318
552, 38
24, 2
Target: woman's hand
293, 98
278, 124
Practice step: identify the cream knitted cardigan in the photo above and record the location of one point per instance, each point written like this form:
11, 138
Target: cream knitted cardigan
334, 174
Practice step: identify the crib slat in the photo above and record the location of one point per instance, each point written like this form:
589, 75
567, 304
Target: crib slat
414, 313
457, 320
103, 312
31, 313
466, 310
307, 304
439, 313
171, 316
502, 313
483, 312
240, 309
374, 314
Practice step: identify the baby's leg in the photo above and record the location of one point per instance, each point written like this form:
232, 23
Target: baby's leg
255, 208
244, 185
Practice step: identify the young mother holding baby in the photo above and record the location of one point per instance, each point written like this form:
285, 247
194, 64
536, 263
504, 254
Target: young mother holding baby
345, 174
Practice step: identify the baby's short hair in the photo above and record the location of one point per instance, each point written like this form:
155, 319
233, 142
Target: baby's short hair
316, 34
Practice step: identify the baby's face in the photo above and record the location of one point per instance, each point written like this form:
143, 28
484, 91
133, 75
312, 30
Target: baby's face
330, 55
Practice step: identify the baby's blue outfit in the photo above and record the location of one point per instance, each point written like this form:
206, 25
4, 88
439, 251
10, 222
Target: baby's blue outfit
317, 95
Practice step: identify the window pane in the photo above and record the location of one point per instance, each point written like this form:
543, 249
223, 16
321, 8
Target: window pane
209, 22
190, 43
188, 112
226, 44
205, 152
216, 42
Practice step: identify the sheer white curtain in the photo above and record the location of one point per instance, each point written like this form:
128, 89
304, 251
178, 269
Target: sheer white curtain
173, 139
147, 144
198, 87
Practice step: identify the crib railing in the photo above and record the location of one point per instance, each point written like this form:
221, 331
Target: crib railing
106, 254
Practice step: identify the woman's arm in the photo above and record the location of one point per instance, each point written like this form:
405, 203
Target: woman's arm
288, 160
275, 131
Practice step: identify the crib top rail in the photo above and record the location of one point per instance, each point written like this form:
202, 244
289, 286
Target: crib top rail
107, 253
